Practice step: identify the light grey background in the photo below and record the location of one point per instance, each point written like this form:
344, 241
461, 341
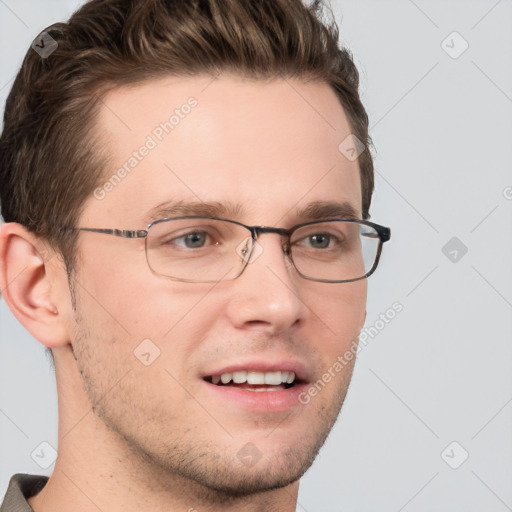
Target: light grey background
441, 370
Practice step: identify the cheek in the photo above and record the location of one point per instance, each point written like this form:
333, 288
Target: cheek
123, 304
121, 292
341, 312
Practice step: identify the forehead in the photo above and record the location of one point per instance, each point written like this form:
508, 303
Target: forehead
270, 146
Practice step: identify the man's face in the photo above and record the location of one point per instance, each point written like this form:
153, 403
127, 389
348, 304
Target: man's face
270, 149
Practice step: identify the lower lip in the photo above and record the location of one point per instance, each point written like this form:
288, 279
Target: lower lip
260, 401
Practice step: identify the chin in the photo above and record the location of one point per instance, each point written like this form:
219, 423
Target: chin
239, 479
220, 473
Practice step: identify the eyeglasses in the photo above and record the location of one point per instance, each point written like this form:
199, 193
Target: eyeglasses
210, 249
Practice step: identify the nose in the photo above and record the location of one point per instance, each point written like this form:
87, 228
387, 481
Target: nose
266, 297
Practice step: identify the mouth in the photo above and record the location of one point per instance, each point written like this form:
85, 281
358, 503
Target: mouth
251, 380
260, 386
264, 385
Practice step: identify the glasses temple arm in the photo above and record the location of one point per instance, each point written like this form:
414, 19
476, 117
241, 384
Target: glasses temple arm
141, 233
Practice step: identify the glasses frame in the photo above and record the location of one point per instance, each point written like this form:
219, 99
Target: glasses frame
383, 233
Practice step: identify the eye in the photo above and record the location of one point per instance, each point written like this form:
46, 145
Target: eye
325, 237
193, 240
319, 241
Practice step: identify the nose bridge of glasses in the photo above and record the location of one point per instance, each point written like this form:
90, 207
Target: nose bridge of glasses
267, 229
282, 232
251, 249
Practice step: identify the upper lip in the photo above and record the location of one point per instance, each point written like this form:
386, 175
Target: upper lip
262, 365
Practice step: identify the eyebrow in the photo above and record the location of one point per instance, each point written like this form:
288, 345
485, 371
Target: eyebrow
319, 210
195, 208
316, 210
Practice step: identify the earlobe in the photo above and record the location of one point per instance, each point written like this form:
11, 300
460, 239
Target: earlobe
26, 284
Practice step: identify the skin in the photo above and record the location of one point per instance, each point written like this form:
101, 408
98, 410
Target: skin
135, 437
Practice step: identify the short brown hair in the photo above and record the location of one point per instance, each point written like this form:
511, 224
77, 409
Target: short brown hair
49, 161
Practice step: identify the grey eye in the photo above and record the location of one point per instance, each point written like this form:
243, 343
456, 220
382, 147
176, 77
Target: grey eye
193, 240
320, 241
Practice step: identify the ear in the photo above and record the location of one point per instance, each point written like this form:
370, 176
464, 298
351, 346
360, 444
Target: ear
26, 284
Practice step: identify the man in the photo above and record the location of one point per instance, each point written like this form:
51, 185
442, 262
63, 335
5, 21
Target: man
186, 188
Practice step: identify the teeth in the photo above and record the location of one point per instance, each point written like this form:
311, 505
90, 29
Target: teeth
273, 378
255, 378
277, 388
239, 377
226, 377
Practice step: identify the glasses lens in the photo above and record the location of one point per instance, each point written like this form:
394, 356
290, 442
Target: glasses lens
335, 250
205, 250
197, 249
